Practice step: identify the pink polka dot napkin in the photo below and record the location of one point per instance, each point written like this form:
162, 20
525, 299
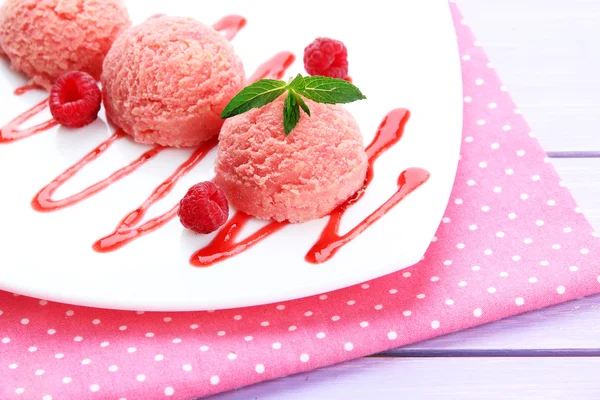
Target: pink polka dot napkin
512, 240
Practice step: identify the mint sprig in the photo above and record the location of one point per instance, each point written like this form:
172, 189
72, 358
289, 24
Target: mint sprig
316, 88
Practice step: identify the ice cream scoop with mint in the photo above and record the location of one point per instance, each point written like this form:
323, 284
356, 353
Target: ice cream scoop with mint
287, 152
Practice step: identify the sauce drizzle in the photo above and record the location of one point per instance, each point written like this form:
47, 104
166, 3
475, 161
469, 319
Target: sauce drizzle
230, 25
11, 132
126, 230
274, 68
331, 241
43, 201
388, 134
26, 88
224, 245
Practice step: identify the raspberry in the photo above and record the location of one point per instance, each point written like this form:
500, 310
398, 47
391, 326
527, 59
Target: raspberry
326, 57
75, 99
204, 208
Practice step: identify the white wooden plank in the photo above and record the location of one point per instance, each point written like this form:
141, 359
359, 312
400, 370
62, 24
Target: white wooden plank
546, 52
437, 378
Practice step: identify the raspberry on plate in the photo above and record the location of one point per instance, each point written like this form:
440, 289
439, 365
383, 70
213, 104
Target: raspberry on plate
204, 208
326, 57
75, 99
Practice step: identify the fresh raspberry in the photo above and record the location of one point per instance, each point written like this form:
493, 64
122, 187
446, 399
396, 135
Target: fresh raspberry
326, 57
75, 99
204, 208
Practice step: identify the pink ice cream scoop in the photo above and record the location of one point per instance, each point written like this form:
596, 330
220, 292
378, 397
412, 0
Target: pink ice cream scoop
303, 176
167, 80
46, 38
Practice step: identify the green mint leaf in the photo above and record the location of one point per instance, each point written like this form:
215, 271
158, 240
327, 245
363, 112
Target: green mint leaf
327, 90
291, 113
301, 102
256, 95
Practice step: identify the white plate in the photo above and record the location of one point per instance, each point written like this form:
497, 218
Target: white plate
402, 54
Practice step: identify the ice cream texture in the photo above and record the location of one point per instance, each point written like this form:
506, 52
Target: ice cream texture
167, 80
294, 178
45, 39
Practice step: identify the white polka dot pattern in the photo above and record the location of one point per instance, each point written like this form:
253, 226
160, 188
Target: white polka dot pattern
512, 240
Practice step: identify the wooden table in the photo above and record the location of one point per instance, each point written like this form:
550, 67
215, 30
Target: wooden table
548, 55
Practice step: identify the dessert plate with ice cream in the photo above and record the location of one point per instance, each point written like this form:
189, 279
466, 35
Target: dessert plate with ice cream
187, 156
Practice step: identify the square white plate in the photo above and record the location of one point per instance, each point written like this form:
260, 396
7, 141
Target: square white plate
401, 54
